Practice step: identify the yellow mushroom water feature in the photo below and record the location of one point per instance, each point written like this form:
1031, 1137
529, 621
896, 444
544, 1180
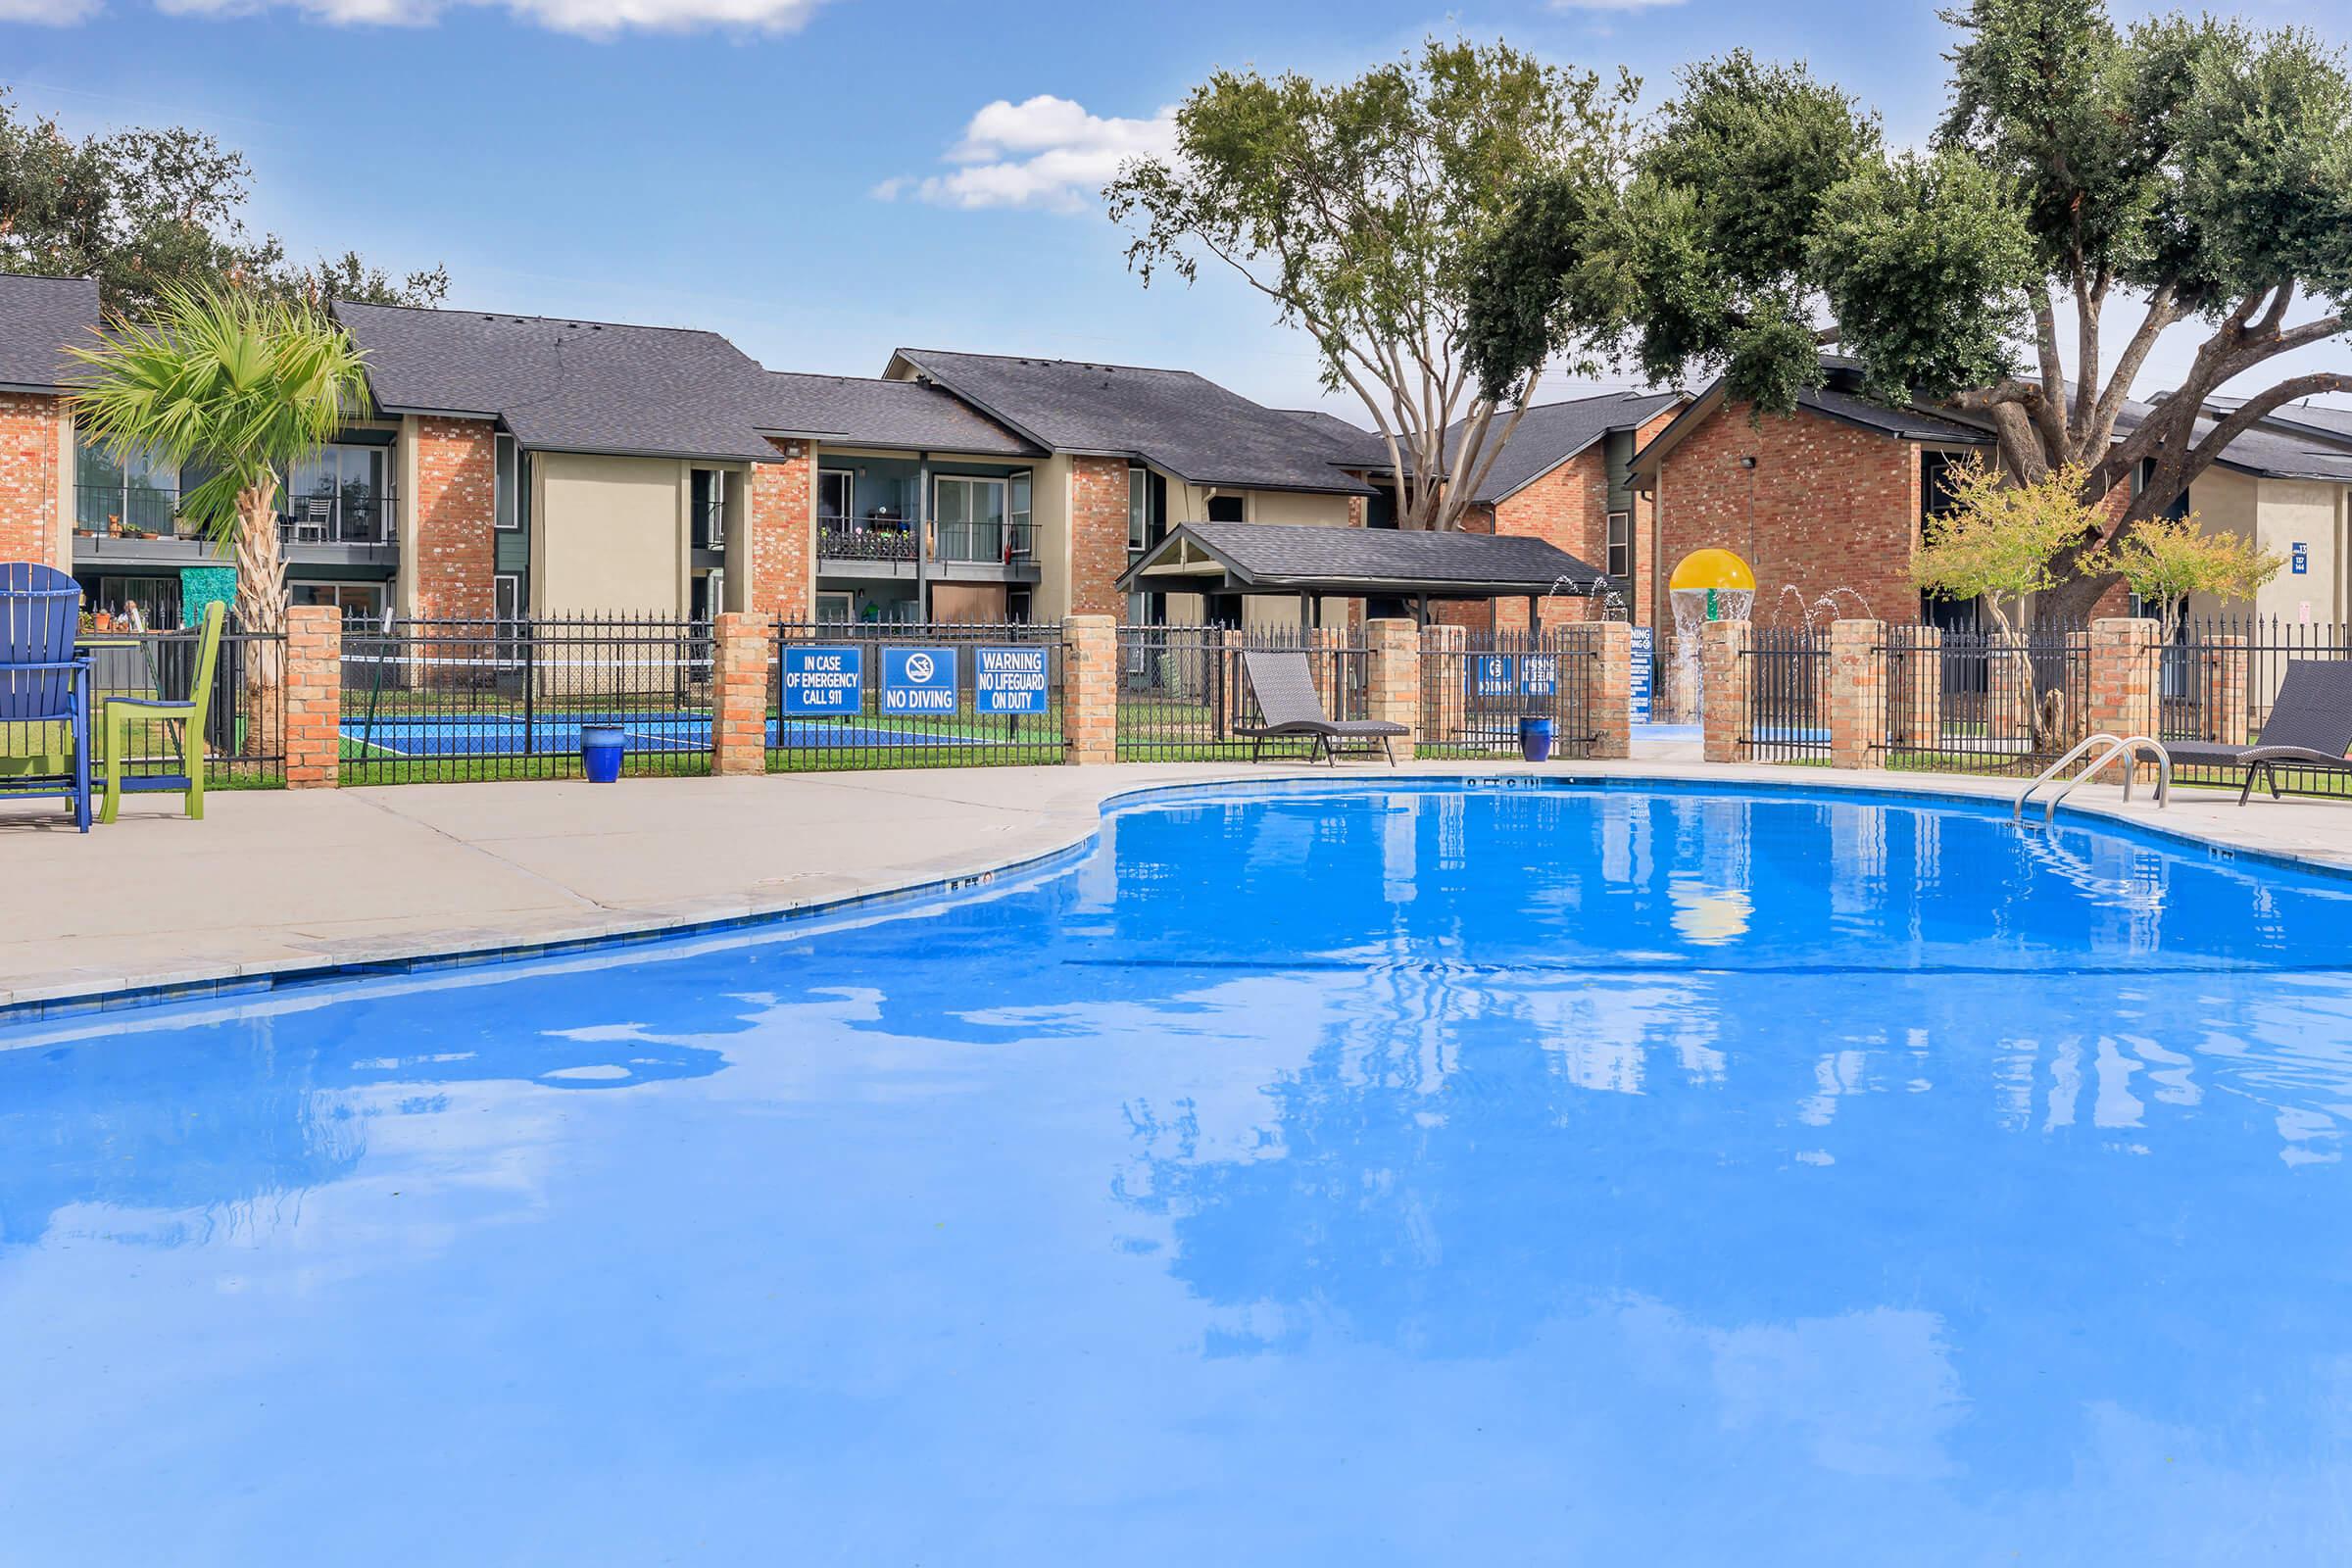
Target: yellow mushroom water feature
1707, 585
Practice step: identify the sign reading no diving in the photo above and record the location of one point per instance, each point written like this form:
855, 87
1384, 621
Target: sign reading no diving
919, 680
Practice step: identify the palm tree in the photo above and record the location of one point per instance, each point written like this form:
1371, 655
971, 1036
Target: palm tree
242, 386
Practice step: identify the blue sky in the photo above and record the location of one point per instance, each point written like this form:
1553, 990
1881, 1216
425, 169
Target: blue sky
822, 181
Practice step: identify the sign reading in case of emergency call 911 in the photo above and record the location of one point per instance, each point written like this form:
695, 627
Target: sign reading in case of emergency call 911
1008, 680
823, 680
919, 680
1515, 675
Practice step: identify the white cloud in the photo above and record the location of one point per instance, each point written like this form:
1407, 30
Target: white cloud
593, 18
1046, 152
48, 13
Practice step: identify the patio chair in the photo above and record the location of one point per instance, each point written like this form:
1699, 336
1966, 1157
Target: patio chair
118, 714
2310, 726
44, 688
1289, 709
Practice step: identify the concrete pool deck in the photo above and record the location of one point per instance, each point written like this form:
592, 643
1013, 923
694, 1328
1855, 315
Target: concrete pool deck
278, 882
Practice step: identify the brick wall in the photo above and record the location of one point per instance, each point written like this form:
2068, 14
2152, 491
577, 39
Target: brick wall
455, 508
783, 532
1568, 508
33, 456
1827, 506
1098, 535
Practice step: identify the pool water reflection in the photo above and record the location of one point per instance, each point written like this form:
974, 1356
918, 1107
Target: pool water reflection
1349, 1176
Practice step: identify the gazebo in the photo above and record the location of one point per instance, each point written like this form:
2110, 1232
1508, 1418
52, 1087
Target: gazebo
1404, 566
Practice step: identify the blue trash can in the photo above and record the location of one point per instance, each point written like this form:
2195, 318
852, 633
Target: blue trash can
601, 746
1534, 739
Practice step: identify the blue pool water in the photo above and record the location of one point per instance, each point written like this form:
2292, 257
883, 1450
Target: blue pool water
1559, 1175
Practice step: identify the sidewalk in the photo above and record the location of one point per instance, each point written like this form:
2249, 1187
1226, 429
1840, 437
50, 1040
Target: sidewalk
278, 881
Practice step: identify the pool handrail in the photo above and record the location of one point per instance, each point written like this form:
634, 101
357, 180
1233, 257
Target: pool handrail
2109, 747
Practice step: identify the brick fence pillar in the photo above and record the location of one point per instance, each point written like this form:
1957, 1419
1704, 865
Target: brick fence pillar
1915, 689
1393, 678
1723, 690
1857, 693
1446, 716
314, 696
1611, 692
2122, 682
740, 646
1090, 688
2221, 672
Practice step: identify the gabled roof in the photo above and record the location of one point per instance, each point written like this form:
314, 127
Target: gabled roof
1549, 434
854, 411
563, 385
1360, 448
1275, 558
1174, 420
1841, 400
2264, 450
2324, 422
40, 318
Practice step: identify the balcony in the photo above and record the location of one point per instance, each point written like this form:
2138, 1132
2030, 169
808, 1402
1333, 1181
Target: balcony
873, 548
132, 525
984, 552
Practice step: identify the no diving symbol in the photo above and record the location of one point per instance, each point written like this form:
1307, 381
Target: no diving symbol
918, 668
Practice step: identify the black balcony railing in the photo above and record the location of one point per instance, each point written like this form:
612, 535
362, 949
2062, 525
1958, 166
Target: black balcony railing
142, 512
130, 511
865, 541
344, 520
982, 543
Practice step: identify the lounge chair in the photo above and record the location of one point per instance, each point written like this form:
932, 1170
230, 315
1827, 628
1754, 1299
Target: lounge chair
1289, 709
44, 688
116, 714
2310, 726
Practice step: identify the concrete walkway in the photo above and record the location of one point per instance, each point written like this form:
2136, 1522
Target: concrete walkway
278, 882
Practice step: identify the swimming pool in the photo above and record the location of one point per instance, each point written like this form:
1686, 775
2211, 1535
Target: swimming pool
1339, 1174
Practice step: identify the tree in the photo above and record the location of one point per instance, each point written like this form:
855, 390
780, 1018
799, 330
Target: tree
241, 385
1353, 207
2167, 560
2198, 169
1999, 543
144, 210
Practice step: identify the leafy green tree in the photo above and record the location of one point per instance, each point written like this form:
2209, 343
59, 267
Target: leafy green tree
2196, 171
1353, 207
2167, 560
144, 210
241, 385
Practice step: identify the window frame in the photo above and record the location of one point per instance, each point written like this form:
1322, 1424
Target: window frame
1617, 544
506, 483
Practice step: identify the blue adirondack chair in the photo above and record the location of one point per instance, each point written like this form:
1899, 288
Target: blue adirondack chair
42, 684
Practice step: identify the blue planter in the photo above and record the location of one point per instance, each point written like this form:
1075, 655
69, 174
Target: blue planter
1534, 739
601, 747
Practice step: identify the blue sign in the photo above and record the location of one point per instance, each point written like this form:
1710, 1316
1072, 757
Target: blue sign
1008, 680
1637, 685
823, 680
1539, 675
2299, 555
919, 680
1494, 675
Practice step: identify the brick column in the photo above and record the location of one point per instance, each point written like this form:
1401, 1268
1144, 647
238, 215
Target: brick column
1723, 689
314, 696
1090, 688
1393, 683
741, 645
2123, 683
1915, 692
1857, 694
1448, 684
1611, 690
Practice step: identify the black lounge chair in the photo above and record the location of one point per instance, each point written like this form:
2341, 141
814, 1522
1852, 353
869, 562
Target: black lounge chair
2310, 726
1289, 708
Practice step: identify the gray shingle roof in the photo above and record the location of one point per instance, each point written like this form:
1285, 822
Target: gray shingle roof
860, 412
1549, 434
2323, 424
2265, 450
1910, 425
1366, 448
563, 385
39, 317
1185, 423
1287, 556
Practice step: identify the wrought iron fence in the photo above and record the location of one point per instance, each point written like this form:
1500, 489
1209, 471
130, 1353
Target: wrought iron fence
244, 721
939, 694
1477, 688
1974, 701
1786, 719
462, 700
1185, 695
2218, 678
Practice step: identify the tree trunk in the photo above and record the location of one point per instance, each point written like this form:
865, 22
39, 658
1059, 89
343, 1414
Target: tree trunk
2072, 601
261, 606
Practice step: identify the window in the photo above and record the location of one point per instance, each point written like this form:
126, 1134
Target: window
1138, 509
1621, 545
2145, 476
1227, 509
969, 515
152, 603
509, 487
506, 596
707, 501
134, 492
834, 608
1020, 493
835, 488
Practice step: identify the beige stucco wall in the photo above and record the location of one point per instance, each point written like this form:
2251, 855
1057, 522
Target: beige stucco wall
2276, 515
608, 534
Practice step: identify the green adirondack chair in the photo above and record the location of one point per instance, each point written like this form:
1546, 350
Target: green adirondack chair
120, 714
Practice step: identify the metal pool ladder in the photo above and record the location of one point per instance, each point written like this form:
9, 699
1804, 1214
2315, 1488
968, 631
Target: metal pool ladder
2109, 748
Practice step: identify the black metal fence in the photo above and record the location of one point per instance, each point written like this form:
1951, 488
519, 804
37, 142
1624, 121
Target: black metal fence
1974, 701
941, 694
1184, 695
1476, 690
244, 720
430, 701
1786, 717
2218, 680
